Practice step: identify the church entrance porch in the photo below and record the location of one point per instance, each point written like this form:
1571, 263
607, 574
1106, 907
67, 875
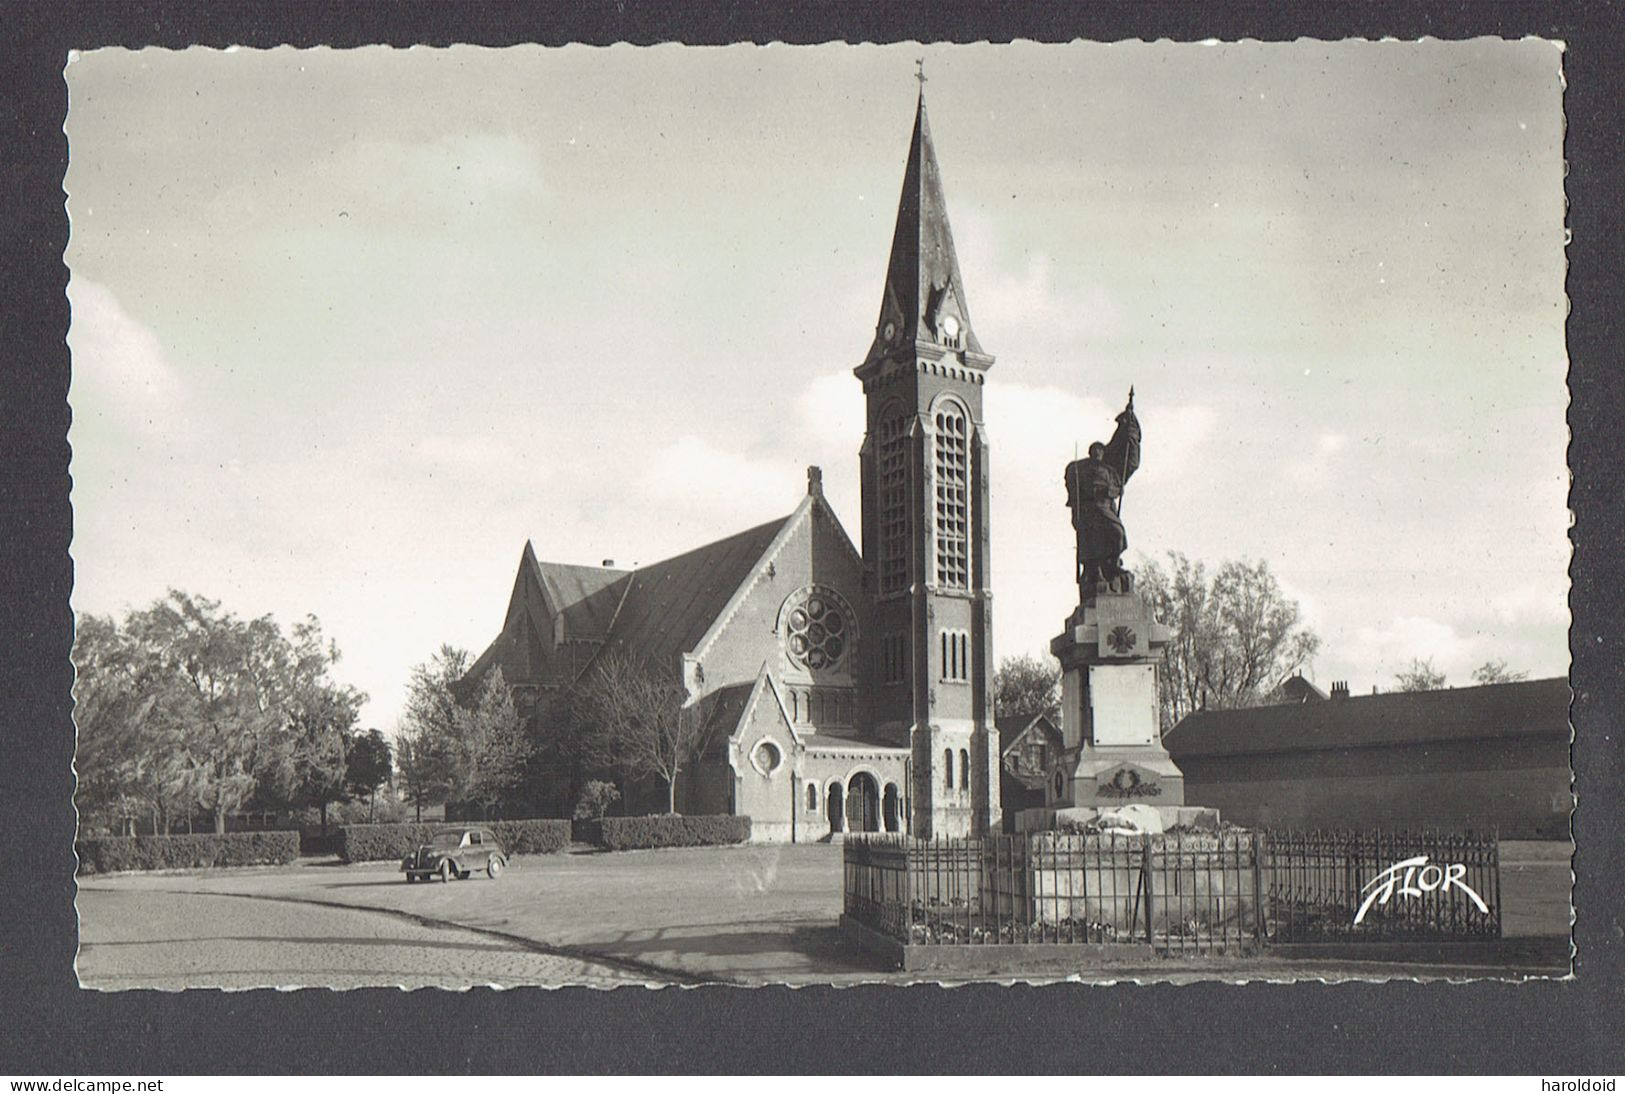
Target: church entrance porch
863, 803
854, 792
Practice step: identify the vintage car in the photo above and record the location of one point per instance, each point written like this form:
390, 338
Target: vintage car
456, 852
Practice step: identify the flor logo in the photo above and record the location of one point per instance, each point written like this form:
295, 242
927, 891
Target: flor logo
1416, 877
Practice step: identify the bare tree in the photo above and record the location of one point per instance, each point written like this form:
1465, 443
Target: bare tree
644, 718
1496, 672
1236, 636
1421, 676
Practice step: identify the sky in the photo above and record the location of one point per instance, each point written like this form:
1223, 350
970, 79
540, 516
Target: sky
349, 327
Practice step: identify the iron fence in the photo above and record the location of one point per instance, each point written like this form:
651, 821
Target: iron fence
1179, 892
1337, 886
1192, 892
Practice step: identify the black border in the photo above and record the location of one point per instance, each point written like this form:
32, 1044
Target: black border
49, 1027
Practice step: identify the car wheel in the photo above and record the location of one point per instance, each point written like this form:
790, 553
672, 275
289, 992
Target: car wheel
493, 867
445, 871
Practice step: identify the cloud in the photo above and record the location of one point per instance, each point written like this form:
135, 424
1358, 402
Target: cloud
1540, 599
119, 367
1016, 298
1316, 468
833, 404
693, 473
1388, 648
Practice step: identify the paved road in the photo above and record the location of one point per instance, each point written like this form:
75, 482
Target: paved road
754, 914
172, 940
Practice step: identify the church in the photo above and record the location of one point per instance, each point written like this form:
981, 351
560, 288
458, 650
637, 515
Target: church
849, 686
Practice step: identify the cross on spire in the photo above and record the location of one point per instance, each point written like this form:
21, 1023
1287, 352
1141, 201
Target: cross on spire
919, 72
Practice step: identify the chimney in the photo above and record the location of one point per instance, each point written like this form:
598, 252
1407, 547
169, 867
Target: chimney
1340, 689
815, 481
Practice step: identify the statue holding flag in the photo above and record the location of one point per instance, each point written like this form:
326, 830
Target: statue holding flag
1094, 493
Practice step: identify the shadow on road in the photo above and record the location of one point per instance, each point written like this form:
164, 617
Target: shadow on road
314, 940
744, 953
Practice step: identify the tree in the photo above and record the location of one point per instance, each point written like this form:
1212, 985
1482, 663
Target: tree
185, 705
1026, 686
368, 766
1496, 672
421, 770
596, 798
322, 716
1237, 636
426, 746
645, 719
217, 686
491, 749
127, 758
1421, 676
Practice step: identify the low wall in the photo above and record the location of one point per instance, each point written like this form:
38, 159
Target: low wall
1055, 959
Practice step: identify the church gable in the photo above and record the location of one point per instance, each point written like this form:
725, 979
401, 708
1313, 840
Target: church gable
525, 644
557, 618
799, 609
763, 754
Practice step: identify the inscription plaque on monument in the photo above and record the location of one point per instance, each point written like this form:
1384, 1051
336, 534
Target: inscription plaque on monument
1123, 705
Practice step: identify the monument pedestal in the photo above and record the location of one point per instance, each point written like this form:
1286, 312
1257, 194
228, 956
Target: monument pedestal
1112, 755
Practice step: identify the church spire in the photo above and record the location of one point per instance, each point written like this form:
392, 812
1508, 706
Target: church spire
924, 297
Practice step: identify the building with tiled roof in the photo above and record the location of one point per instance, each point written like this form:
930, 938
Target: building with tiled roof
1029, 745
1488, 757
848, 690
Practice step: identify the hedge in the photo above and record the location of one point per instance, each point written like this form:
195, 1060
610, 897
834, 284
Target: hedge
670, 830
374, 842
106, 854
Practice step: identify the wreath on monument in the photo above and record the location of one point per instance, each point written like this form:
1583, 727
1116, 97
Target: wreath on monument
1126, 783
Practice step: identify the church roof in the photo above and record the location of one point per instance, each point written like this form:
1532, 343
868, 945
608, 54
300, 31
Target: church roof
1534, 708
923, 273
587, 596
670, 605
727, 707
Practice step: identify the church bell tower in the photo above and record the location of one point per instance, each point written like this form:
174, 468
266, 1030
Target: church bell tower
928, 664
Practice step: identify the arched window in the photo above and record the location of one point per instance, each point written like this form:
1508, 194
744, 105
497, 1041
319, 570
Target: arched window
954, 651
812, 798
891, 467
964, 769
948, 769
953, 498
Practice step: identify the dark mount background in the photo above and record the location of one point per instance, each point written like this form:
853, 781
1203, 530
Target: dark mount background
48, 1027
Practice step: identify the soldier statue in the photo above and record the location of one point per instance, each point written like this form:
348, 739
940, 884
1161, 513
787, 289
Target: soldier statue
1094, 493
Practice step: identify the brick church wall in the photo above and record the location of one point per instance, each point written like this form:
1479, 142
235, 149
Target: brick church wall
812, 554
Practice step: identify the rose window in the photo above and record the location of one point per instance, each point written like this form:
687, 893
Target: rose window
817, 633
